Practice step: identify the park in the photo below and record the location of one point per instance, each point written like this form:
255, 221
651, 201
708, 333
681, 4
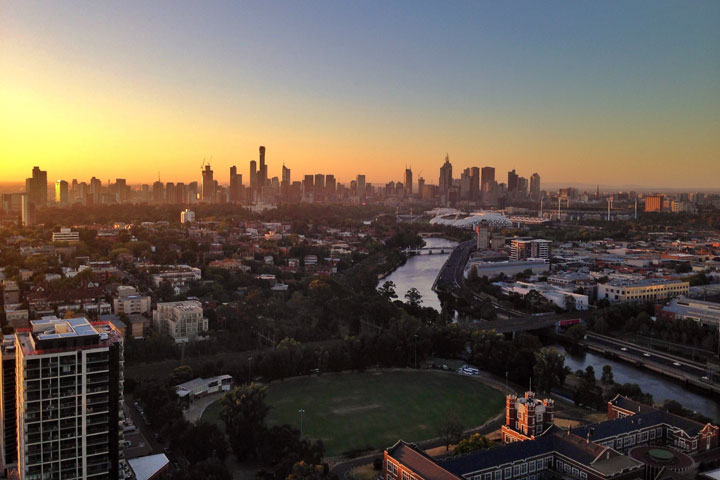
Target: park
354, 412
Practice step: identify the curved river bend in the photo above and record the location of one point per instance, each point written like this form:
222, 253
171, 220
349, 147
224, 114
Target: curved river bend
420, 272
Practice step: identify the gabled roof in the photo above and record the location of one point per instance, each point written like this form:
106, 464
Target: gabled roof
420, 463
691, 427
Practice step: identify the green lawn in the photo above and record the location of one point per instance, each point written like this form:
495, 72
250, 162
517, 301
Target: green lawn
350, 411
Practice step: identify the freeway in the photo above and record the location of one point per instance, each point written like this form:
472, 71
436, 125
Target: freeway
452, 276
660, 362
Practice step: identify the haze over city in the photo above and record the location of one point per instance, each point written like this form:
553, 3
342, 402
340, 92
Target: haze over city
617, 94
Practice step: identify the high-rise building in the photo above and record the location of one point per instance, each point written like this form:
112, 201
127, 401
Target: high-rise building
253, 174
535, 186
61, 192
122, 190
319, 182
8, 402
465, 184
170, 193
286, 181
361, 186
308, 184
408, 181
446, 178
330, 184
208, 185
474, 184
36, 187
27, 210
420, 187
263, 177
512, 183
654, 203
522, 187
235, 185
487, 176
158, 192
69, 396
524, 249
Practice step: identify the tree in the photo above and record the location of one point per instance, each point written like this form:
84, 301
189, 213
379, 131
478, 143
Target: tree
450, 429
388, 290
549, 370
413, 297
306, 471
243, 410
201, 442
207, 470
181, 374
607, 375
473, 274
576, 333
471, 444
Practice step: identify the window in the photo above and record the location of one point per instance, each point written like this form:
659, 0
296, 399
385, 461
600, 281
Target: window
583, 475
488, 476
643, 436
575, 471
523, 468
559, 465
498, 475
567, 468
405, 475
652, 434
532, 466
508, 472
391, 467
618, 443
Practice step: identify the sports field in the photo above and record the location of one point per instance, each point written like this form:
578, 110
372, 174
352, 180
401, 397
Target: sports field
374, 410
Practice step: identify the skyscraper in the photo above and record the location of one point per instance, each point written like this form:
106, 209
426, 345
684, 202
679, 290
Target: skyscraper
69, 396
61, 192
487, 175
27, 210
361, 186
208, 185
235, 186
36, 187
262, 179
512, 183
535, 186
158, 192
253, 174
285, 182
319, 182
475, 184
408, 181
330, 184
446, 178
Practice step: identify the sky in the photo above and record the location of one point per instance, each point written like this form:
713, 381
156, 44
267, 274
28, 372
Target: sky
578, 91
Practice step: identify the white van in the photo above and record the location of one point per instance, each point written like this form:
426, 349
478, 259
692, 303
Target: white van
468, 370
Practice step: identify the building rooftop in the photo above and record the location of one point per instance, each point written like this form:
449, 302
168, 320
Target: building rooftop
52, 334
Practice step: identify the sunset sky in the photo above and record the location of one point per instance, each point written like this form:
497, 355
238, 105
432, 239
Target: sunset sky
593, 92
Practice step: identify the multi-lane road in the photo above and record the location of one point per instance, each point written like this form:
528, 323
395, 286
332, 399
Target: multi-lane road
669, 365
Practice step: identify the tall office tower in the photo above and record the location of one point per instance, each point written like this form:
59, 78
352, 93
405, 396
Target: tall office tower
208, 185
170, 193
69, 396
235, 185
330, 184
522, 187
253, 174
95, 186
361, 186
487, 176
285, 177
122, 189
192, 192
319, 182
61, 192
8, 424
27, 210
512, 184
474, 184
180, 193
535, 186
408, 181
446, 178
465, 182
654, 203
262, 180
420, 187
308, 184
36, 187
158, 192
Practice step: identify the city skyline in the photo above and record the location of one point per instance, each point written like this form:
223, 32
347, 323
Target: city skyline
609, 94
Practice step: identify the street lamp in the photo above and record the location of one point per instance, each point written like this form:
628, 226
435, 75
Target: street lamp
301, 412
249, 370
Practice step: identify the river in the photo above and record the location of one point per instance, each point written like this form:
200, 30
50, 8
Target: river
420, 272
660, 387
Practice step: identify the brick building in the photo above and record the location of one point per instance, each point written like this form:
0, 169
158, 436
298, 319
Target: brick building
617, 449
